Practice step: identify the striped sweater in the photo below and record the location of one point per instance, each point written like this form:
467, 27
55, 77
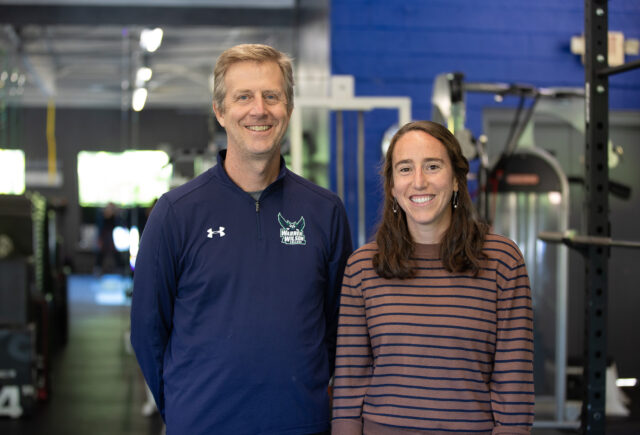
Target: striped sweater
438, 353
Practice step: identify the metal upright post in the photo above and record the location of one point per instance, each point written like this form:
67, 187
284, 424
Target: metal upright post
361, 181
340, 155
597, 214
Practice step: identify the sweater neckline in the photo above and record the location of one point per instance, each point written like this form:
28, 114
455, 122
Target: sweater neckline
431, 250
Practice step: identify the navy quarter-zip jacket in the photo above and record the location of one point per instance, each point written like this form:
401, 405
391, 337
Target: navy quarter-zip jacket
235, 304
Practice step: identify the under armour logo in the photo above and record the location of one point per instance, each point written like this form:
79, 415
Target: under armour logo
220, 232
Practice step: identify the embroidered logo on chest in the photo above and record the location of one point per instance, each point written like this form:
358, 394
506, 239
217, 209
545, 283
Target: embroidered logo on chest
292, 233
220, 232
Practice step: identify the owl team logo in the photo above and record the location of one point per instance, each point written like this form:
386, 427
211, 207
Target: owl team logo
292, 233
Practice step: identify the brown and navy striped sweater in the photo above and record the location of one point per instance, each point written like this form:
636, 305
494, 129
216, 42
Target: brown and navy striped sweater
439, 353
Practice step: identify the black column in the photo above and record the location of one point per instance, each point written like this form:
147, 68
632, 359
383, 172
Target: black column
597, 215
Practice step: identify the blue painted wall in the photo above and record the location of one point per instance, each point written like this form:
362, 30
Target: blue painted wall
396, 48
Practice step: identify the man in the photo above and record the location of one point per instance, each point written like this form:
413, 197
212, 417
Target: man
236, 288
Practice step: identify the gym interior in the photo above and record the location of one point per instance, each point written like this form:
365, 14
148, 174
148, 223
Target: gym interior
96, 123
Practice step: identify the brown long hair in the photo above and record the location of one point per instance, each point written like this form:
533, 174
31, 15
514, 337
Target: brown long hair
461, 245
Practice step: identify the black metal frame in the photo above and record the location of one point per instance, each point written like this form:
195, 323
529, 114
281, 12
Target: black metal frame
596, 205
597, 214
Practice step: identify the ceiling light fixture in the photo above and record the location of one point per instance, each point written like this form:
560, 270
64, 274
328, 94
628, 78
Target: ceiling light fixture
150, 39
139, 99
143, 75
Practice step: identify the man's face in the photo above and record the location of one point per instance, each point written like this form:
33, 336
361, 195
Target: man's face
255, 109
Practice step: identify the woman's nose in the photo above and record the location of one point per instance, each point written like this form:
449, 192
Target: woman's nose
419, 179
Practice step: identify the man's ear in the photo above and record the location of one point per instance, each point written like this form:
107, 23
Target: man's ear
218, 113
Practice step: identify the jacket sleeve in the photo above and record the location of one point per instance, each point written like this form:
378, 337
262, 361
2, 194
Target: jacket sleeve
341, 248
512, 389
154, 290
354, 361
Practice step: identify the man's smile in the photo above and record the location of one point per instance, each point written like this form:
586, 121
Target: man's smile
258, 127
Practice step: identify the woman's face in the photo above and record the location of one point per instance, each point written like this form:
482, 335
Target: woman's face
423, 184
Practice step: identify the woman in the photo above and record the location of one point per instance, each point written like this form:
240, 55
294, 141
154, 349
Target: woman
436, 325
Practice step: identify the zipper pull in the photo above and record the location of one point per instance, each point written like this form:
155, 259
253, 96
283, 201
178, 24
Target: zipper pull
257, 206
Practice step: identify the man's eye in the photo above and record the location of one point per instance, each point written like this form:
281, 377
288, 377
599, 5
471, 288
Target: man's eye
242, 97
433, 167
271, 98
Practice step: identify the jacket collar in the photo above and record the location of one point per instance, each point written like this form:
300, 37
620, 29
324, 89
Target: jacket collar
222, 174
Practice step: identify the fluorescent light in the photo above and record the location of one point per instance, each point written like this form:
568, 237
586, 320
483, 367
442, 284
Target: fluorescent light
139, 98
143, 75
626, 382
150, 39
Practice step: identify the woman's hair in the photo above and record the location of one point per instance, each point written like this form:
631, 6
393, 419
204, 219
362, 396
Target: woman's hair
253, 53
461, 244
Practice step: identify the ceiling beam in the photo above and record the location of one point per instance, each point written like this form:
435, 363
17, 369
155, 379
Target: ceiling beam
146, 15
41, 71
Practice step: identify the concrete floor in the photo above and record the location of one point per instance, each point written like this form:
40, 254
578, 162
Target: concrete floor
97, 387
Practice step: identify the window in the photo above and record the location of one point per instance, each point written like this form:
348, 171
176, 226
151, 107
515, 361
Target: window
130, 178
11, 172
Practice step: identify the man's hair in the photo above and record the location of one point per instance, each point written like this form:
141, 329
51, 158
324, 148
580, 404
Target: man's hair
253, 53
461, 244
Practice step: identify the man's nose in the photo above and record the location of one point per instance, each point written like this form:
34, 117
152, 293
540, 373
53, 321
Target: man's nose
258, 106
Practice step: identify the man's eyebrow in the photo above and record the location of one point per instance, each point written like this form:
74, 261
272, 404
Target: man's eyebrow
250, 91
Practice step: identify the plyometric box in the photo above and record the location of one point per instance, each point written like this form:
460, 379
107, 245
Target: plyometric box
17, 371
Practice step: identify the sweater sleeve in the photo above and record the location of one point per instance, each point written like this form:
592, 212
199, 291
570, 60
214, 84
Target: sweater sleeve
512, 389
154, 289
354, 362
341, 249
